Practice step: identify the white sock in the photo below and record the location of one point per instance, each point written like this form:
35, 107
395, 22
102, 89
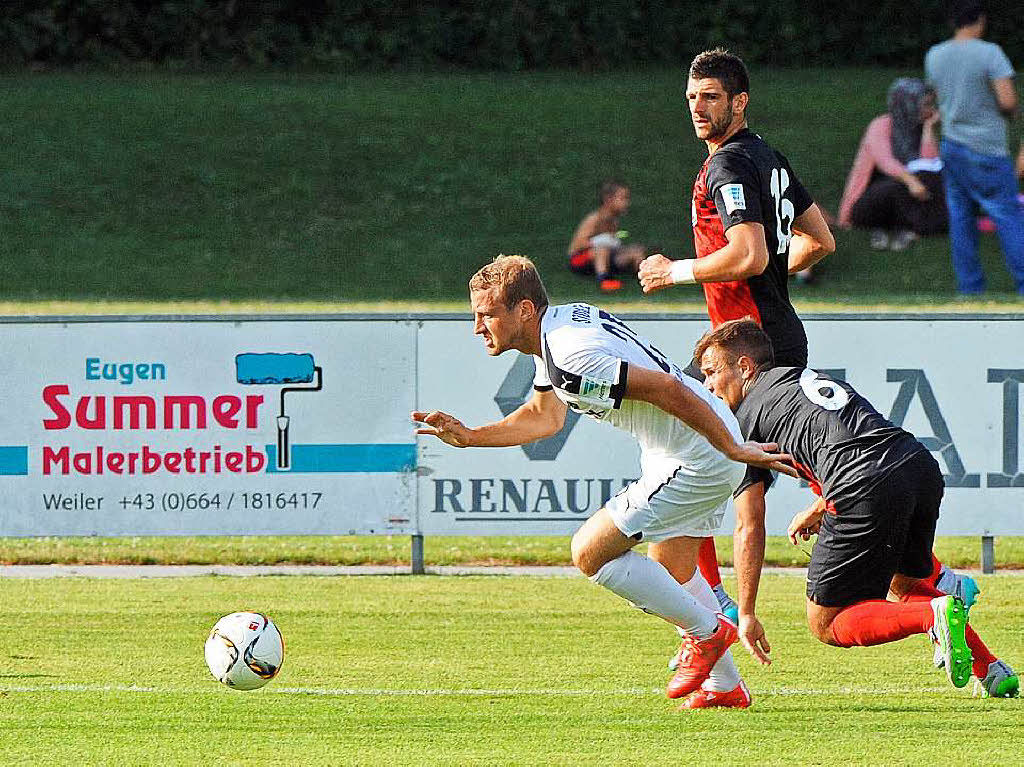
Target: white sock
700, 594
724, 675
649, 586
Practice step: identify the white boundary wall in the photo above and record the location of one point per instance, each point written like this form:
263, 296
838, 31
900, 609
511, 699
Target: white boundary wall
82, 396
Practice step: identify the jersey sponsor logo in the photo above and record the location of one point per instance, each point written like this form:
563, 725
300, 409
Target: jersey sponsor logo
595, 388
732, 196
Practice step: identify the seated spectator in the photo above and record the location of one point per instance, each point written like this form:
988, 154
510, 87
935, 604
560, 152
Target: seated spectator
597, 248
895, 186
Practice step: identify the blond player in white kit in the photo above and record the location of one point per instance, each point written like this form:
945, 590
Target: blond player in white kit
692, 453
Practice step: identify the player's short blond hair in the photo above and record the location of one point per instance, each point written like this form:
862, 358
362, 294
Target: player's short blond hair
515, 278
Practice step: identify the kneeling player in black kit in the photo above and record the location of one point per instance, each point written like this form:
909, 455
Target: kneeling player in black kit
880, 491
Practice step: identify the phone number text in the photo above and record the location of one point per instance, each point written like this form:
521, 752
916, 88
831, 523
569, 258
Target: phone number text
245, 501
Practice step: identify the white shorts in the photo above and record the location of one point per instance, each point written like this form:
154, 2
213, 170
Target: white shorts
666, 502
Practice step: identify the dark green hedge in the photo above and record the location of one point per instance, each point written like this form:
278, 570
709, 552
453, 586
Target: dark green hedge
487, 34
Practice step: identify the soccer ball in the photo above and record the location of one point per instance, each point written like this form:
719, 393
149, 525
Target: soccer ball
244, 650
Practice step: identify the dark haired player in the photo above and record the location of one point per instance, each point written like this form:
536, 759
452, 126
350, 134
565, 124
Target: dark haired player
754, 224
596, 247
880, 491
753, 221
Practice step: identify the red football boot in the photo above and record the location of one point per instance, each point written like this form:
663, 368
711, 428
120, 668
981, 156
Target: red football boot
609, 284
696, 658
738, 697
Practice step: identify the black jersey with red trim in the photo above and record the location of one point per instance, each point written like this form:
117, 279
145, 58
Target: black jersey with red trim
746, 180
842, 446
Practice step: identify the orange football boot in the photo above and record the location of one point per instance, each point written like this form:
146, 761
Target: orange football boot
738, 697
610, 284
696, 658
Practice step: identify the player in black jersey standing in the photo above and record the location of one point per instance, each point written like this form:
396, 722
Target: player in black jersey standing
880, 491
754, 224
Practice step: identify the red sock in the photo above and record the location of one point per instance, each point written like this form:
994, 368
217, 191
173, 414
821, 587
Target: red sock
707, 561
936, 570
982, 656
878, 621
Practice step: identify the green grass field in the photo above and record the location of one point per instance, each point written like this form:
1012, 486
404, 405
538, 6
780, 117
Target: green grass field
956, 551
464, 671
344, 189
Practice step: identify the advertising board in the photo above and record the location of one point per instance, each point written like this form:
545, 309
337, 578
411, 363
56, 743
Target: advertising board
954, 382
207, 427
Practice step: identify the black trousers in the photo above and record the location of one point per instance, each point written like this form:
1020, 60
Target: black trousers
886, 204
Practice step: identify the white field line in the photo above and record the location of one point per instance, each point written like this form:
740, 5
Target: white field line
455, 692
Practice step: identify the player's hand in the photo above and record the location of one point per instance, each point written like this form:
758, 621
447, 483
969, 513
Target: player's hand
654, 273
806, 523
446, 428
753, 637
765, 455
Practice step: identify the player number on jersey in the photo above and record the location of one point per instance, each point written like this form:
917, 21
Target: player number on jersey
620, 329
823, 392
784, 210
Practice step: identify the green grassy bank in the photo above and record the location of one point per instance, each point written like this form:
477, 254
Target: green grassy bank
355, 188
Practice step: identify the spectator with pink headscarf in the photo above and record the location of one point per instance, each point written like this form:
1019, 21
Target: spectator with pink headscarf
894, 187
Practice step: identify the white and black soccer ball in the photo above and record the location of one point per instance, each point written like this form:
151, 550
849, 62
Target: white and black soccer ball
244, 650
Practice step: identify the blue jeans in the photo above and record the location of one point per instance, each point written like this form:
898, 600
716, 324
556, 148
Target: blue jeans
972, 181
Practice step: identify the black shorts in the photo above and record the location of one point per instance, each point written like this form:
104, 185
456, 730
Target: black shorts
891, 530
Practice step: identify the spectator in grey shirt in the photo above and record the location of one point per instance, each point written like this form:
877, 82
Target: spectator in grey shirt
974, 82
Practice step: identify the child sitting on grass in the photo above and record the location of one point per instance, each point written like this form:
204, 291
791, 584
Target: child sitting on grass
596, 247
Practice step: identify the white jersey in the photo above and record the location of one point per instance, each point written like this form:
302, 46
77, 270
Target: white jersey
587, 353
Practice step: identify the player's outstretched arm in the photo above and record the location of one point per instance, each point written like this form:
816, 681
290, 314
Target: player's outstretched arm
748, 557
542, 416
812, 240
667, 393
745, 255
